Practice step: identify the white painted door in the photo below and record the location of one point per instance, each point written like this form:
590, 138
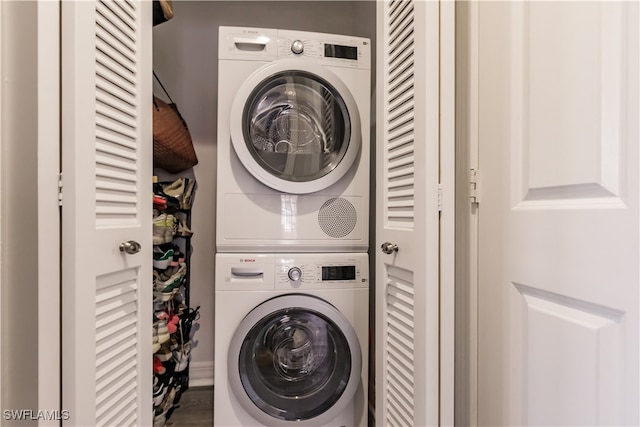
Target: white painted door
558, 216
106, 201
407, 144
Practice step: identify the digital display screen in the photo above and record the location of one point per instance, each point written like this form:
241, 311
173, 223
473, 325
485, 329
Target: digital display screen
343, 272
337, 51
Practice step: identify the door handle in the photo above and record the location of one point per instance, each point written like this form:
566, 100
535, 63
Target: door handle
247, 272
131, 247
389, 248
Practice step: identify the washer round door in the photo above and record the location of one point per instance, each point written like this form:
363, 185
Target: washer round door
295, 126
294, 359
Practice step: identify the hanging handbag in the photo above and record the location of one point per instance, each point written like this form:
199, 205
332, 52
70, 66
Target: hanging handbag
162, 11
172, 145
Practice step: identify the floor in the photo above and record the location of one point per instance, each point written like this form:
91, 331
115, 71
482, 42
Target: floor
195, 408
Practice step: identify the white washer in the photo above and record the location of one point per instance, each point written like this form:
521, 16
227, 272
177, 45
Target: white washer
293, 141
291, 339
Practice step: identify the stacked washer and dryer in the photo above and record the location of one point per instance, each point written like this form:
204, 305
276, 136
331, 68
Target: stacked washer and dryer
292, 270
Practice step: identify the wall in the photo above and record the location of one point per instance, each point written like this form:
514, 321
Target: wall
30, 261
185, 59
19, 202
465, 291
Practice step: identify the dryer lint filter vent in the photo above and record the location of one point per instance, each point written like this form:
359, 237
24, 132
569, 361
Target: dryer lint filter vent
337, 217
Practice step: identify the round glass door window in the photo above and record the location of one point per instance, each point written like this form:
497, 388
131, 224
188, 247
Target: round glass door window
294, 364
296, 126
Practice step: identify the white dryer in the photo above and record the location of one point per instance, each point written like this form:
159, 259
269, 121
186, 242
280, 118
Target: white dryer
293, 141
291, 339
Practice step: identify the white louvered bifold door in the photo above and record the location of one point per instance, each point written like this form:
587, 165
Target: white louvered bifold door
106, 201
407, 214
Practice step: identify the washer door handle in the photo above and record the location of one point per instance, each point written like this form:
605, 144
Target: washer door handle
389, 248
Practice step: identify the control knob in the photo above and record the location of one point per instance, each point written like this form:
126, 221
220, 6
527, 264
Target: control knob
295, 274
297, 47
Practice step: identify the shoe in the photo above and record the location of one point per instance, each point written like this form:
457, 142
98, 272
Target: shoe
158, 368
173, 343
167, 379
159, 391
181, 189
182, 379
169, 318
158, 304
164, 228
164, 354
170, 279
164, 318
161, 322
183, 230
178, 257
172, 202
167, 402
159, 202
160, 420
160, 333
159, 224
162, 260
162, 291
160, 325
172, 328
166, 296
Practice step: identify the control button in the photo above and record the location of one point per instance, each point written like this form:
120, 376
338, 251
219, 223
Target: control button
295, 274
297, 47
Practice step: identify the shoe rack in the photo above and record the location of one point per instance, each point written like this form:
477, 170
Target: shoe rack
172, 314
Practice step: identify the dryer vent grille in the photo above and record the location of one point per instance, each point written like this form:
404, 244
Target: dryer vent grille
337, 217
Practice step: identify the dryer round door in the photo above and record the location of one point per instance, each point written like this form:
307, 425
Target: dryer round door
295, 126
294, 359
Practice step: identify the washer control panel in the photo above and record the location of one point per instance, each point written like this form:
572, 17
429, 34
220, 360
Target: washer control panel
325, 271
306, 271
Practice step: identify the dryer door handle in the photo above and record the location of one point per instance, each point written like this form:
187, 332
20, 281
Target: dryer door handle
247, 272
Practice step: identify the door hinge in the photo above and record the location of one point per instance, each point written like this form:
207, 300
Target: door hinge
60, 189
474, 186
439, 197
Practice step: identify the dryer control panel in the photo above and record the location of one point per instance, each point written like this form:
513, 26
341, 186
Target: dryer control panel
336, 50
268, 44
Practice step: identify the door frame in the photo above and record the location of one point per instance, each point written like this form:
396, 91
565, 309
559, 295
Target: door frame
33, 380
448, 207
466, 227
49, 209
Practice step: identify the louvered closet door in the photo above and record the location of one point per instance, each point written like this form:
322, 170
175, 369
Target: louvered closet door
407, 214
106, 200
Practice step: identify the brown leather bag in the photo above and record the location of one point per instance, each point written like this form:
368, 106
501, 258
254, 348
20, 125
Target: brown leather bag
172, 145
162, 11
